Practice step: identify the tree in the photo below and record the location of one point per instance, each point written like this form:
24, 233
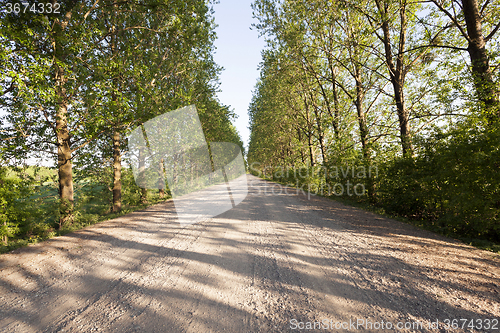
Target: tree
44, 73
470, 18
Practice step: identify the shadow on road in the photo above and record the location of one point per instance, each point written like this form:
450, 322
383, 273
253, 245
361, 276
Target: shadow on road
271, 259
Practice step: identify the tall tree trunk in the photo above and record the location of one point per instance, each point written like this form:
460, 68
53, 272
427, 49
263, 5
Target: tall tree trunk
363, 130
117, 172
142, 176
318, 124
302, 155
144, 196
162, 179
355, 58
5, 238
64, 166
63, 138
117, 156
311, 151
486, 89
336, 112
397, 73
316, 107
336, 105
309, 134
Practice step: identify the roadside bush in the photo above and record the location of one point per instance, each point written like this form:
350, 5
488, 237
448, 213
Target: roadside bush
453, 183
27, 206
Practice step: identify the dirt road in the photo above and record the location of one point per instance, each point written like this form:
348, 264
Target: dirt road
276, 263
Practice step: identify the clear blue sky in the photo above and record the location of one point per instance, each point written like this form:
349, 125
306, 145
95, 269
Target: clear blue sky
238, 51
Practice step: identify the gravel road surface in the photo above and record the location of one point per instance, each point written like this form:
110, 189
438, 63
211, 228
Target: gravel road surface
278, 262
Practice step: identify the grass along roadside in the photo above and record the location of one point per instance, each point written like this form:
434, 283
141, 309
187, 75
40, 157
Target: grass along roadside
82, 219
29, 198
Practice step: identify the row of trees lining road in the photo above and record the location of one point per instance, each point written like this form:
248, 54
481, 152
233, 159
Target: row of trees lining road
406, 88
74, 83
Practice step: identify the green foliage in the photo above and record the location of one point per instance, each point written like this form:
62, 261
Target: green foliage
96, 70
454, 184
101, 68
27, 205
30, 204
347, 88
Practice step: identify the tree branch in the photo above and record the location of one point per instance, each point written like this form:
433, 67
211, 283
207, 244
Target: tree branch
492, 33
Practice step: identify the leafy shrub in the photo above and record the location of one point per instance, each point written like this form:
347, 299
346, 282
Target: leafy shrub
26, 207
454, 183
